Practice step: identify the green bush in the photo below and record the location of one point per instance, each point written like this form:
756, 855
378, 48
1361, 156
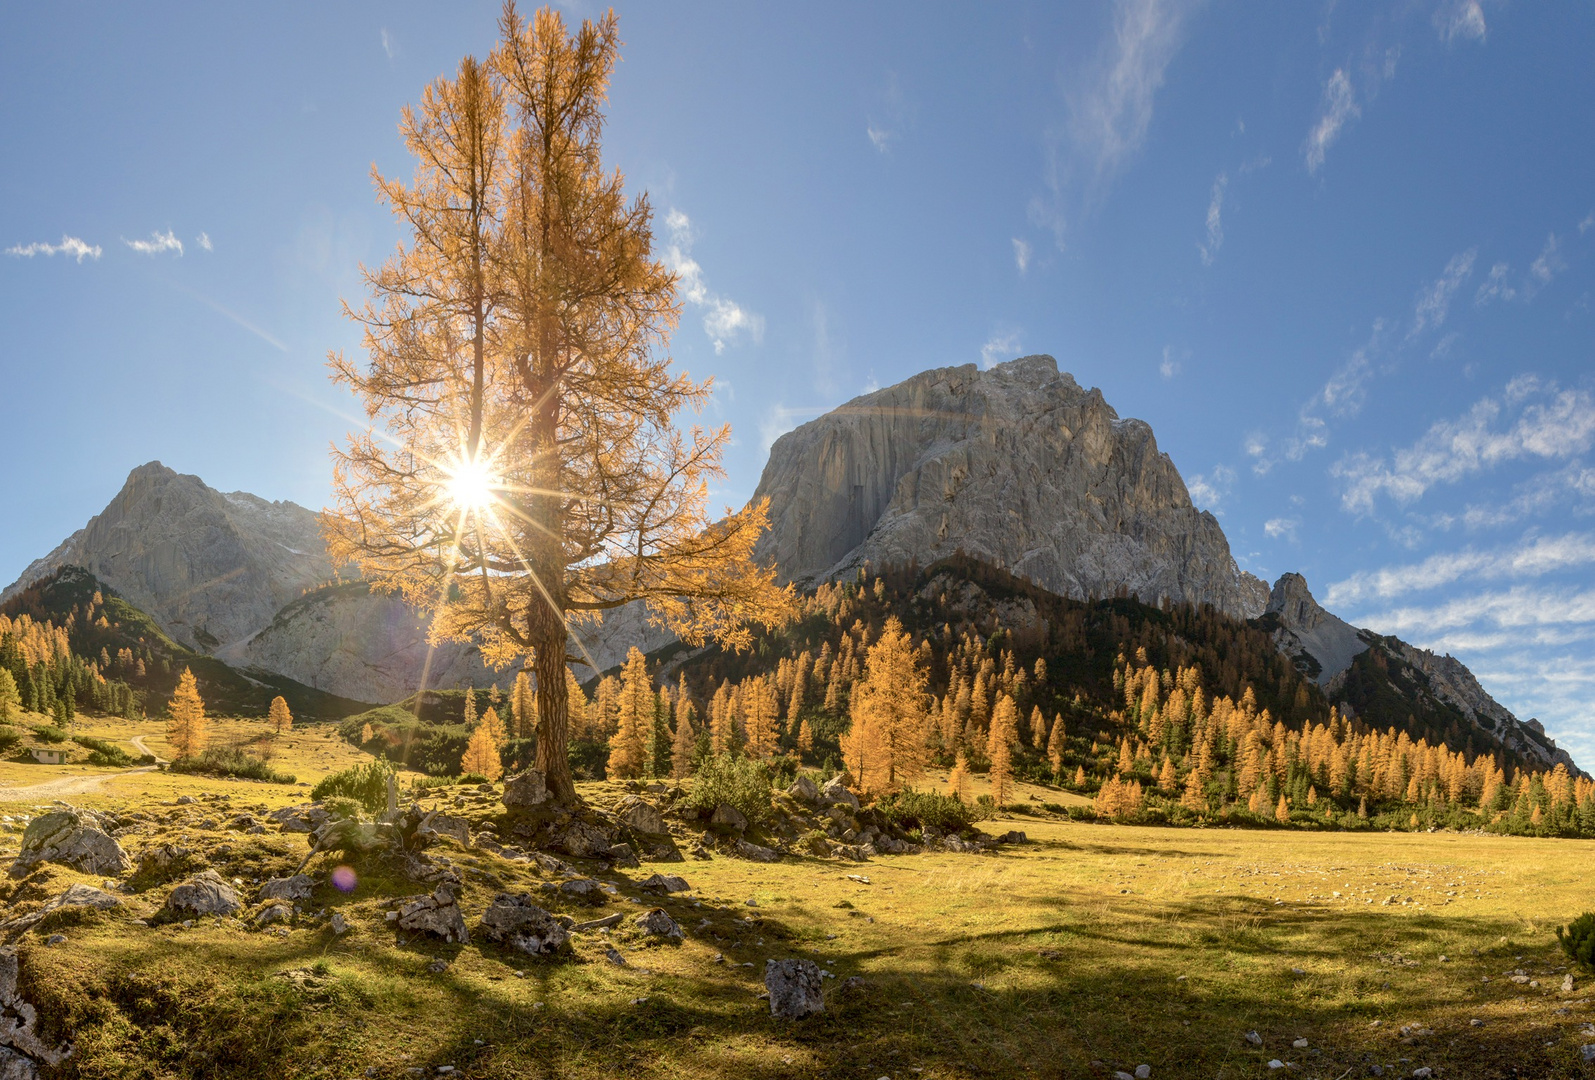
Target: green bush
471, 779
231, 761
366, 784
1578, 940
9, 739
919, 809
104, 753
737, 782
50, 733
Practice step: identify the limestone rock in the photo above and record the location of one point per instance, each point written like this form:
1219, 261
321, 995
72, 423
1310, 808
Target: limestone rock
203, 894
583, 839
1321, 644
1017, 466
728, 819
446, 825
757, 852
803, 790
274, 912
436, 913
623, 855
795, 988
582, 889
835, 793
19, 1019
525, 790
290, 889
73, 838
664, 883
77, 895
307, 817
656, 922
15, 1066
641, 815
517, 923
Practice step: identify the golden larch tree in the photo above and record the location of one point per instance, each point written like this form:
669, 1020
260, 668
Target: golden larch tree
481, 752
187, 729
530, 474
958, 783
280, 719
887, 736
523, 706
628, 746
683, 741
999, 748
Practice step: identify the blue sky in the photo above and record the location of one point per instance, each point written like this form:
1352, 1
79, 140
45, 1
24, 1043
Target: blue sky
1338, 255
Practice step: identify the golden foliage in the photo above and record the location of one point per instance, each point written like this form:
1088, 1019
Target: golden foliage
279, 717
187, 729
885, 746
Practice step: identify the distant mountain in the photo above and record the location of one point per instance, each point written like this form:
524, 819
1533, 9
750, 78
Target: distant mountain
1016, 466
1381, 678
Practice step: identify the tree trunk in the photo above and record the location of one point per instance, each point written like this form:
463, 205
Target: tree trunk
553, 703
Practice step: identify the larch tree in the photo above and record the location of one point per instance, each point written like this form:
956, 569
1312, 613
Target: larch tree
523, 706
495, 726
958, 783
999, 748
1057, 744
887, 737
682, 743
481, 751
280, 719
187, 729
531, 474
10, 699
470, 707
628, 747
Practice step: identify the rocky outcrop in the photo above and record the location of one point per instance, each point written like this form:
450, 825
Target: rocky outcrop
209, 568
1017, 466
74, 838
1321, 645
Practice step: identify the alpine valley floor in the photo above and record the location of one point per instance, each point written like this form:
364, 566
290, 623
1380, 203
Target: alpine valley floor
1089, 949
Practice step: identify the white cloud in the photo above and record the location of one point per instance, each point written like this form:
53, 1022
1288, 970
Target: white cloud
1587, 224
1215, 221
390, 44
1170, 366
1275, 528
1434, 302
69, 246
1002, 345
1561, 427
1210, 491
1460, 19
1519, 608
157, 243
1533, 557
1495, 286
203, 240
726, 322
1339, 106
1548, 264
879, 137
1110, 118
1021, 254
1573, 482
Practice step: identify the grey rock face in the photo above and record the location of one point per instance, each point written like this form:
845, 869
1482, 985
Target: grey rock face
76, 896
1017, 466
795, 989
641, 815
804, 790
664, 883
516, 922
71, 837
728, 819
1306, 629
835, 793
436, 914
203, 894
525, 790
657, 922
18, 1023
583, 840
290, 889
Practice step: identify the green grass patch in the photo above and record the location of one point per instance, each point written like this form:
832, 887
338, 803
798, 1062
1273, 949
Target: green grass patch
230, 761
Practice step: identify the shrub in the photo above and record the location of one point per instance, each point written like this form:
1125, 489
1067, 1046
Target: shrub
1578, 940
738, 782
919, 809
104, 753
50, 733
231, 761
471, 778
9, 739
366, 784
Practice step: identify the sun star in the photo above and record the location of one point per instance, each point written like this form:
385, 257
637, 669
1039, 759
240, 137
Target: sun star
470, 485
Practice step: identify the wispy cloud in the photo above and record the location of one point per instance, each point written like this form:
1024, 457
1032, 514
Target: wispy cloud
1215, 221
1170, 366
1495, 286
726, 322
1339, 106
69, 246
203, 240
390, 44
1519, 608
1209, 490
1002, 345
1549, 264
157, 243
1587, 224
1562, 426
1434, 301
1109, 118
1021, 254
1531, 558
1455, 19
1275, 528
890, 117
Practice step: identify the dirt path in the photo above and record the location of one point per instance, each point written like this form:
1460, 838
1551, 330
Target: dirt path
75, 785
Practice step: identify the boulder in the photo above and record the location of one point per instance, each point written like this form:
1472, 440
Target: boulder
290, 889
307, 817
517, 923
203, 894
276, 911
795, 989
437, 914
73, 838
445, 825
756, 852
642, 816
728, 819
835, 793
18, 1020
622, 855
664, 883
15, 1066
582, 890
583, 840
658, 923
525, 790
804, 790
76, 896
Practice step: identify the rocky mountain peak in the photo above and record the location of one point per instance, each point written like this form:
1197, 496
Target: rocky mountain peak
1017, 466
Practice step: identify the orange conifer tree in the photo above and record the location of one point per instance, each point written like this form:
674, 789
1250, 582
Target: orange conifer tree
187, 728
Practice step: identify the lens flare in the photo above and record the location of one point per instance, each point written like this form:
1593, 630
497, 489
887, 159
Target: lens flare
470, 485
344, 878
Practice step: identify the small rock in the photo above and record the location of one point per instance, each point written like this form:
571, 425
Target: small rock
1120, 1074
438, 967
1254, 1038
436, 914
204, 894
71, 837
585, 890
658, 923
184, 800
642, 816
835, 792
55, 939
795, 988
623, 855
1588, 1053
518, 923
1275, 1063
757, 852
1422, 1074
1299, 1044
728, 819
612, 954
1142, 1072
1567, 983
293, 888
803, 790
340, 925
276, 911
